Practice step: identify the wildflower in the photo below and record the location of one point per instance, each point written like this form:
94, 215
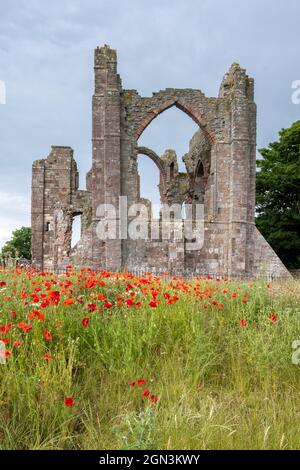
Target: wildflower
5, 328
243, 323
153, 304
132, 383
153, 398
54, 297
47, 335
107, 305
145, 392
35, 298
273, 317
141, 382
85, 322
47, 357
92, 307
24, 327
70, 301
69, 402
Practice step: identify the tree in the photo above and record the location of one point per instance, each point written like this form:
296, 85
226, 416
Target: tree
19, 245
278, 195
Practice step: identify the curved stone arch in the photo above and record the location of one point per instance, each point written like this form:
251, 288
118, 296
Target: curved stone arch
199, 165
191, 102
156, 159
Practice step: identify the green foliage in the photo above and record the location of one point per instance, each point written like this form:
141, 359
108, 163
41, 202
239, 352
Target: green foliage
278, 195
19, 245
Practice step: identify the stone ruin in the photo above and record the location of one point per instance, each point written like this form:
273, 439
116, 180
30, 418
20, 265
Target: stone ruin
220, 174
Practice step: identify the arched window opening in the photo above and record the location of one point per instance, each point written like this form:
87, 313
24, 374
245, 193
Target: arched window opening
200, 183
172, 129
76, 230
172, 170
148, 183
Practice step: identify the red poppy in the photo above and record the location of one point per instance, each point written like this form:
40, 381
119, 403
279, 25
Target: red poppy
141, 382
24, 327
69, 402
154, 398
54, 297
47, 356
132, 383
273, 317
5, 328
243, 323
107, 305
92, 307
47, 335
146, 392
85, 322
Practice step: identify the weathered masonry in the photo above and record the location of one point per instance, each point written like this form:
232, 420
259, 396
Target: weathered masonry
220, 173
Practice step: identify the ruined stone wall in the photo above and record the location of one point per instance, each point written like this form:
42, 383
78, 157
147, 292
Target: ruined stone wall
220, 164
55, 201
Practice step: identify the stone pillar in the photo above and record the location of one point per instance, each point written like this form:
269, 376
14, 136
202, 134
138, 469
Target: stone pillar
106, 180
37, 212
241, 209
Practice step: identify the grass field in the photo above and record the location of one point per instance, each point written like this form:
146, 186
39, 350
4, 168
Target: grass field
112, 361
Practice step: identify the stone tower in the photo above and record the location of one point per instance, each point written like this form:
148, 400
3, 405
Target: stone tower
220, 175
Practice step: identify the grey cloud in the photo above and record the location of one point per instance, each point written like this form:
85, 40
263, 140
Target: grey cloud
46, 60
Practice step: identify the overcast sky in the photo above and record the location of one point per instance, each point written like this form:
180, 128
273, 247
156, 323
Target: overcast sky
46, 62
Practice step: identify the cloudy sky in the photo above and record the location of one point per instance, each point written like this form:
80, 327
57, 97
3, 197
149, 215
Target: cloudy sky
46, 63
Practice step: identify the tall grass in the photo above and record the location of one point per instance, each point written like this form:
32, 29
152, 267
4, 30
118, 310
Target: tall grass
220, 385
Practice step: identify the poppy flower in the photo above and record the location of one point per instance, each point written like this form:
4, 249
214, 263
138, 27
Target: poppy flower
92, 307
85, 322
273, 317
47, 356
146, 392
70, 301
47, 335
153, 398
243, 323
132, 383
69, 402
141, 382
24, 327
107, 305
5, 328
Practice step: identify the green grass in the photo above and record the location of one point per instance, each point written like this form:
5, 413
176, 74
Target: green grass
220, 385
